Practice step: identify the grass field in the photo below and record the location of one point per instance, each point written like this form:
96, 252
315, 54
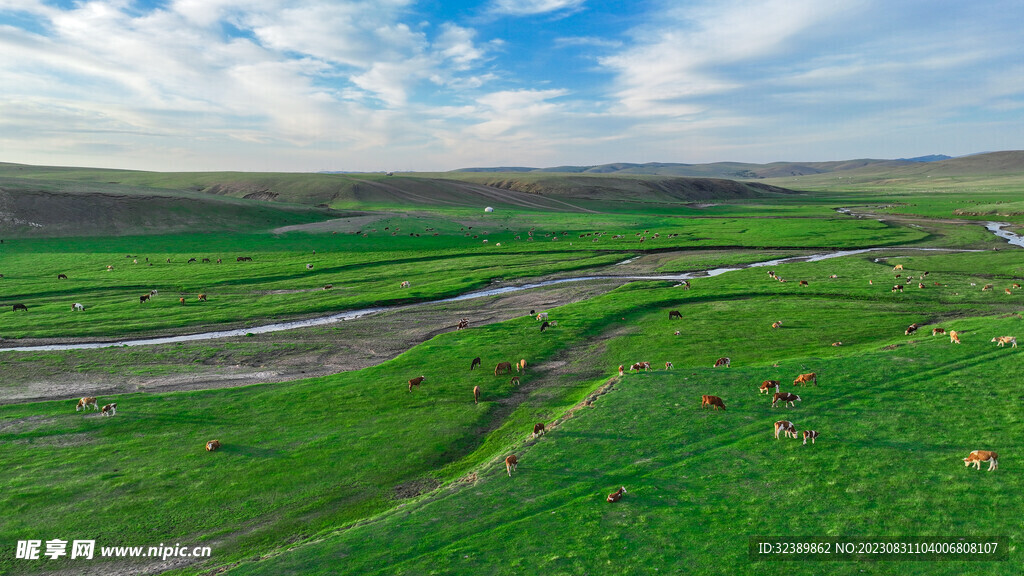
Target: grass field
352, 473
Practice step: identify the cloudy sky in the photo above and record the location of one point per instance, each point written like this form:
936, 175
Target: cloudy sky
367, 85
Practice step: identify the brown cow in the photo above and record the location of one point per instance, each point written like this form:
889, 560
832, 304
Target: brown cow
416, 382
898, 267
621, 370
978, 456
212, 445
510, 464
788, 399
938, 331
1004, 340
109, 410
897, 288
777, 324
521, 366
476, 362
1016, 285
805, 378
328, 286
803, 283
144, 298
86, 402
538, 429
669, 366
812, 434
674, 314
767, 385
954, 337
20, 307
182, 300
476, 394
1007, 290
202, 298
615, 496
986, 287
708, 400
723, 361
503, 368
911, 329
786, 427
514, 381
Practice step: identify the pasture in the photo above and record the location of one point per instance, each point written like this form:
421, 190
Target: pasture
353, 473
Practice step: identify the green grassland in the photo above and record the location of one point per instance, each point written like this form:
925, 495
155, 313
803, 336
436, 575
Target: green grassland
351, 473
304, 458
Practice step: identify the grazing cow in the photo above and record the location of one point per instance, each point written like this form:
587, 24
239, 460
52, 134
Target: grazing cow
109, 410
328, 286
416, 382
309, 266
514, 381
545, 325
708, 400
617, 495
669, 366
503, 368
243, 259
920, 285
1004, 340
218, 261
1016, 285
954, 337
837, 343
542, 316
685, 284
110, 268
182, 300
938, 331
476, 362
897, 288
153, 292
19, 307
777, 324
771, 273
786, 428
201, 298
621, 370
77, 306
812, 434
510, 464
538, 429
191, 260
834, 276
674, 314
86, 402
62, 276
144, 298
406, 284
206, 260
476, 394
804, 283
722, 362
521, 366
1007, 290
805, 378
897, 267
462, 325
911, 329
986, 287
978, 456
767, 385
787, 398
212, 445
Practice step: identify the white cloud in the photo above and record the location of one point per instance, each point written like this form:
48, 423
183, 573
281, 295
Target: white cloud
534, 7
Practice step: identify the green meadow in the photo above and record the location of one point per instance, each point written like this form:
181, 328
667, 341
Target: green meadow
351, 473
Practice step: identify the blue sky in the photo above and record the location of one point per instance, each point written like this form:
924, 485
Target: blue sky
306, 85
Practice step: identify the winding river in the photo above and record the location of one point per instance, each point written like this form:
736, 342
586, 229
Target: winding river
997, 228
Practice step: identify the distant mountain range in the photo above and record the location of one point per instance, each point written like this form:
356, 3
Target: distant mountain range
729, 170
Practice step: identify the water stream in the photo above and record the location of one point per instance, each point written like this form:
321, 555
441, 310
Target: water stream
997, 228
